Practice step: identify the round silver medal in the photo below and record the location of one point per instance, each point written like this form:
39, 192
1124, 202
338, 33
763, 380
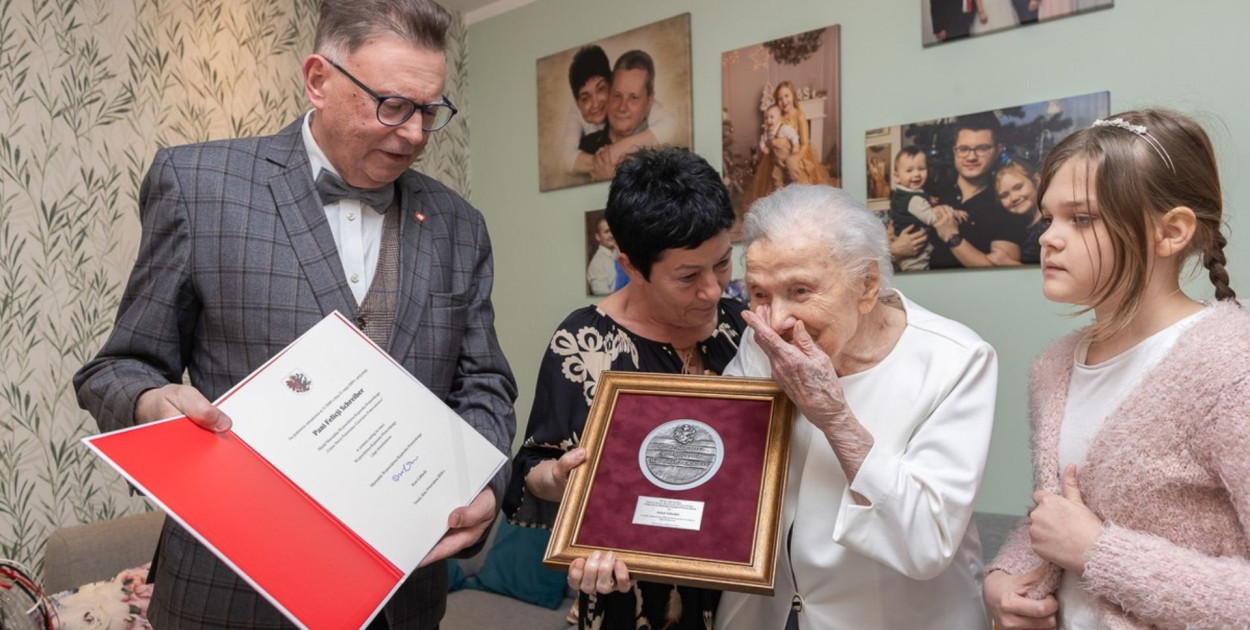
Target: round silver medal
681, 454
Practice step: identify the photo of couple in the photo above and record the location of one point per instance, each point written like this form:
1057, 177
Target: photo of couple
962, 191
946, 20
600, 102
781, 117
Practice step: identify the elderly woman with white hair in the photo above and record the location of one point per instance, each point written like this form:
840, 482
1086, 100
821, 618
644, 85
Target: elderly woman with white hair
895, 407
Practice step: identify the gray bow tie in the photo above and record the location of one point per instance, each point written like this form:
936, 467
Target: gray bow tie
333, 189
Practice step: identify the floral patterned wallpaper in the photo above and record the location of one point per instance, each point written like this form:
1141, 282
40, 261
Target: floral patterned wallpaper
88, 90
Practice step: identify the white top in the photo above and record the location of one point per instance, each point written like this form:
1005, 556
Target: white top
601, 272
1093, 394
911, 559
783, 131
357, 228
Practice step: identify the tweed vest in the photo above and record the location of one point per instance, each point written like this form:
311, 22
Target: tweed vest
376, 315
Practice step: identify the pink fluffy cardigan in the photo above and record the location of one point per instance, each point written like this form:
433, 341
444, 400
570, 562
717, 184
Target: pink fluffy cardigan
1169, 474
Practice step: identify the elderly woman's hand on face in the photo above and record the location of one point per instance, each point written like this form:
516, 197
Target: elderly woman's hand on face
805, 372
801, 368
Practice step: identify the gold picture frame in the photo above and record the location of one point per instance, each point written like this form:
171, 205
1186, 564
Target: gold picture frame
720, 552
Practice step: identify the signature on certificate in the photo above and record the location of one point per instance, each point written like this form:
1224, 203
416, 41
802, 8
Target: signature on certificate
403, 469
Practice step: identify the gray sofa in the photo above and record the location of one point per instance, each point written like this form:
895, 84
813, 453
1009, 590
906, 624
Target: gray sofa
88, 553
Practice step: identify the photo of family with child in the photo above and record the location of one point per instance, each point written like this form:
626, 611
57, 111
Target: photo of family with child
962, 191
781, 117
601, 102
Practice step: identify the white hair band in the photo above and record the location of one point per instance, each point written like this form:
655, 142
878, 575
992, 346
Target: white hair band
1141, 132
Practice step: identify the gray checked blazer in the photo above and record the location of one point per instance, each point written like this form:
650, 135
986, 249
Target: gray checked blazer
236, 261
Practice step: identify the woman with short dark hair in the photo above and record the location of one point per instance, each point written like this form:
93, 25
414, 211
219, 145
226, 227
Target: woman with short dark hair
670, 214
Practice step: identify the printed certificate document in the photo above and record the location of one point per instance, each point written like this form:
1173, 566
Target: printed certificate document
335, 480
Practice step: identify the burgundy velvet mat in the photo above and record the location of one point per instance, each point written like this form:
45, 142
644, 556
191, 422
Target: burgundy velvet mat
731, 498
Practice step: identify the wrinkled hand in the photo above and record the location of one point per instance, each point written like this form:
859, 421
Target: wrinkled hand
1006, 600
908, 242
801, 368
180, 400
1062, 528
467, 524
600, 573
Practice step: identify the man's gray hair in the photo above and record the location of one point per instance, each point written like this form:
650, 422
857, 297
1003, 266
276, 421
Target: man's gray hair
346, 25
854, 235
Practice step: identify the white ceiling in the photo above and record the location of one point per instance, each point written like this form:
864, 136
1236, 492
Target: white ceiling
478, 10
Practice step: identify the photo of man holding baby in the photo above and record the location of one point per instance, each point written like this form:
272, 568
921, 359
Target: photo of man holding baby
963, 189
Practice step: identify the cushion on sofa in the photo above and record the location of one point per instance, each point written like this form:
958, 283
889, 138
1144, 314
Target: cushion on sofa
97, 551
514, 567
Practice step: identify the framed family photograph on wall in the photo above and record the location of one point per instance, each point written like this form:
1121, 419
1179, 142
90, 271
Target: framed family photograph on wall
963, 189
781, 116
947, 20
600, 102
684, 480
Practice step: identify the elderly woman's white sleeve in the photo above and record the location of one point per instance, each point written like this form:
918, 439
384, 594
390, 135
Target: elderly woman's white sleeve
922, 498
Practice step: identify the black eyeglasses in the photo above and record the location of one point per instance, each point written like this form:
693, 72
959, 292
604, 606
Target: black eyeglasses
394, 111
980, 149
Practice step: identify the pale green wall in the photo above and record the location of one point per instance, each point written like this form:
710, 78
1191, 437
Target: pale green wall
1186, 55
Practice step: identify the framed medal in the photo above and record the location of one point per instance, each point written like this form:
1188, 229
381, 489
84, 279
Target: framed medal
684, 480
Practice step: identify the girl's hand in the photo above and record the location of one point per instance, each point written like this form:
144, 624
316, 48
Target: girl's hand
1063, 530
1011, 609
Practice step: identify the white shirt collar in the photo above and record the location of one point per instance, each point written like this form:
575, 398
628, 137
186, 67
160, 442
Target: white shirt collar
317, 159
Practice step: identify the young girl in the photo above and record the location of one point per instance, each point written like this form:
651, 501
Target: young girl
1016, 186
1141, 423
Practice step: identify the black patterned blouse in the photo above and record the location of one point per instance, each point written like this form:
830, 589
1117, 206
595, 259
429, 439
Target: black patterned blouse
585, 344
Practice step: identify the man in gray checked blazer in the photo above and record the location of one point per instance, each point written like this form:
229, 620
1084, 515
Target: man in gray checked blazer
247, 243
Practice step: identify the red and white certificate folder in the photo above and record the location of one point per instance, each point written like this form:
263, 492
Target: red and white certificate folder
336, 479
